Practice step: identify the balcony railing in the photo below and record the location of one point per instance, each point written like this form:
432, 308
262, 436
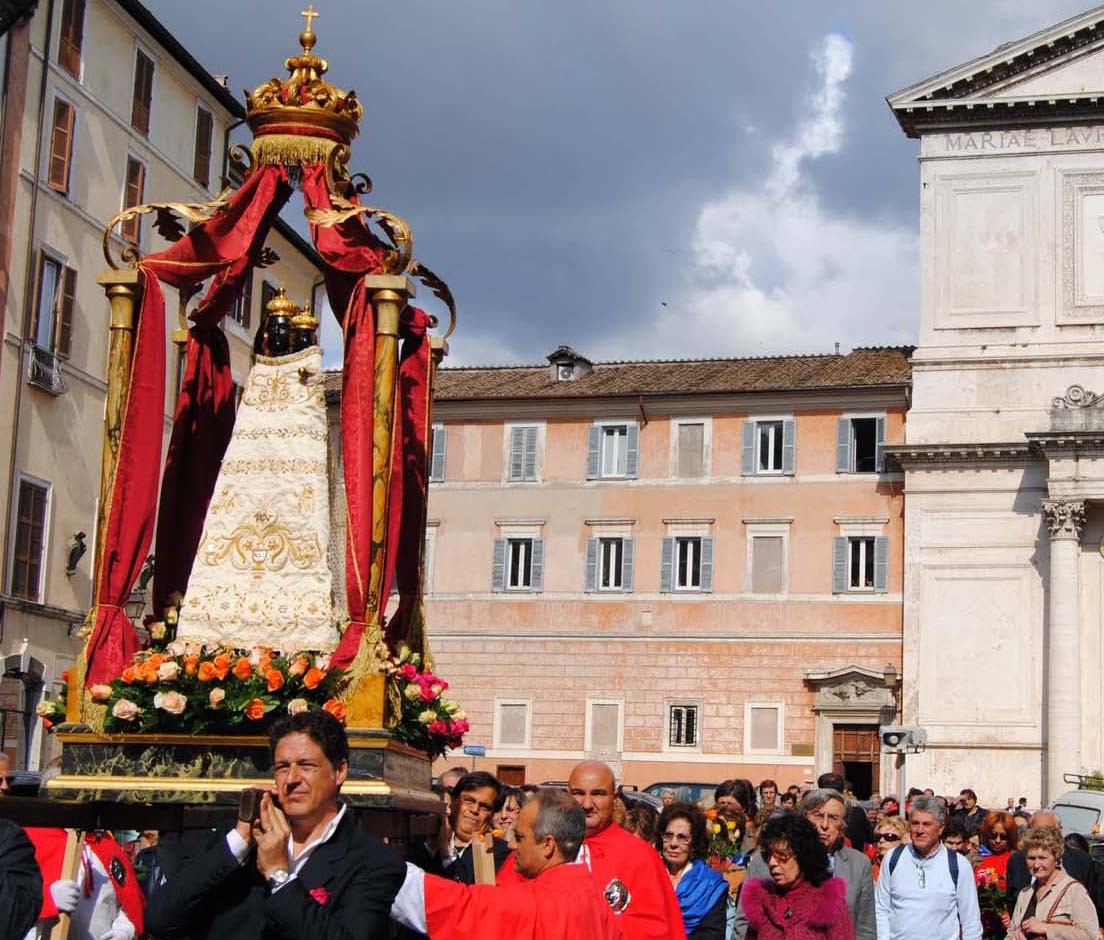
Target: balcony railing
45, 371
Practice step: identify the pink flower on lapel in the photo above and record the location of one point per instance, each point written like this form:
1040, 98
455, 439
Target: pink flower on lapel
321, 895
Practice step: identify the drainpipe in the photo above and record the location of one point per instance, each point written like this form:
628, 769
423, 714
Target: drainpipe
28, 284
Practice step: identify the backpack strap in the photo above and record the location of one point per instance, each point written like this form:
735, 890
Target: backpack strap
952, 864
895, 857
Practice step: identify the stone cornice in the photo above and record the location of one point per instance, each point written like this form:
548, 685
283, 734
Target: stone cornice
1066, 443
972, 113
938, 456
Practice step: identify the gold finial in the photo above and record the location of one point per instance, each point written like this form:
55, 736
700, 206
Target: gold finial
307, 37
281, 305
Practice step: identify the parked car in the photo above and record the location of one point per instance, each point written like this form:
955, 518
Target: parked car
1081, 810
686, 792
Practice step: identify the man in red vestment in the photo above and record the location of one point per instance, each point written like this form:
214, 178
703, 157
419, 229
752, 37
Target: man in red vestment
555, 899
627, 869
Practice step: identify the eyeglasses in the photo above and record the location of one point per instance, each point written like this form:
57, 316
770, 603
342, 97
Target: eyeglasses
994, 836
679, 838
888, 837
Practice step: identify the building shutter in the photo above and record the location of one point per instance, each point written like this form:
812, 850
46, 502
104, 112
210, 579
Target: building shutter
132, 196
72, 37
879, 446
536, 572
881, 565
66, 301
839, 565
201, 170
843, 445
591, 573
667, 566
628, 563
437, 460
706, 565
38, 297
594, 452
61, 146
517, 453
529, 464
789, 439
747, 448
143, 93
632, 451
498, 569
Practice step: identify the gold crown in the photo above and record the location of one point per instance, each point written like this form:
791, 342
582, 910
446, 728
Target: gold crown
304, 320
302, 118
281, 305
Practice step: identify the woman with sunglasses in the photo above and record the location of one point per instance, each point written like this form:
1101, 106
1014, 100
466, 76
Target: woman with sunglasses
890, 832
999, 838
702, 894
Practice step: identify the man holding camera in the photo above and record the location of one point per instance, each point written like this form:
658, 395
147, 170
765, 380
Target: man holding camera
294, 865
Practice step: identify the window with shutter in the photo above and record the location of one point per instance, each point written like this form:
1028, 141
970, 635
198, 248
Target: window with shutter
61, 146
688, 563
522, 462
691, 450
30, 541
133, 195
243, 306
205, 124
767, 564
768, 441
519, 564
67, 299
590, 566
627, 564
860, 563
72, 37
611, 561
438, 441
143, 93
667, 566
50, 278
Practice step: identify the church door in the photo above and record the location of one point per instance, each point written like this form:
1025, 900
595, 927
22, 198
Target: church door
856, 753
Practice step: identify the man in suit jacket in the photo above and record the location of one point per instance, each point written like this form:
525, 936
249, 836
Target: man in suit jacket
20, 881
302, 869
827, 810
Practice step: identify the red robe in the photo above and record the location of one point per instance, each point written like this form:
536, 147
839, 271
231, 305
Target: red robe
562, 903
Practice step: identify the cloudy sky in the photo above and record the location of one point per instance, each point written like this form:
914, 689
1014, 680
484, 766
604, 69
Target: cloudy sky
638, 178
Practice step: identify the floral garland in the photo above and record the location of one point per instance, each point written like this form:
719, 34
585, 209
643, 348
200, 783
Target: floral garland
423, 718
216, 690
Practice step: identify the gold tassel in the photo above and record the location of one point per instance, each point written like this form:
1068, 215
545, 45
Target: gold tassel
291, 150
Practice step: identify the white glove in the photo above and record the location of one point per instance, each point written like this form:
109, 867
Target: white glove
66, 895
121, 929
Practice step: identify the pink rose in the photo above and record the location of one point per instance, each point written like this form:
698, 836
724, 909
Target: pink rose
297, 706
100, 693
125, 710
168, 670
217, 697
408, 672
172, 702
427, 694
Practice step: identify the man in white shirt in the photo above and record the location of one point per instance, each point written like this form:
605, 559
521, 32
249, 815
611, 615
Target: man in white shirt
923, 891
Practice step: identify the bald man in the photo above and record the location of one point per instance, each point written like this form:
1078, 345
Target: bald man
5, 774
627, 870
1075, 862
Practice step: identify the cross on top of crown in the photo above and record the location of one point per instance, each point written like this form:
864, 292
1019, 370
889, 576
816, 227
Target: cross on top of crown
310, 15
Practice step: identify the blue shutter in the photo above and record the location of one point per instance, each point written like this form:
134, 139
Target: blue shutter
498, 570
843, 445
536, 571
667, 566
529, 469
594, 452
627, 565
632, 451
789, 439
879, 447
706, 565
591, 572
839, 565
517, 454
881, 565
747, 449
437, 459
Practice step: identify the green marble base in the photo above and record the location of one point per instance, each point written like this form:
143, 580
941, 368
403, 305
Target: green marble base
208, 770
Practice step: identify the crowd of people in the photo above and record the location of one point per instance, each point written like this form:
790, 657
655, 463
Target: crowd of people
549, 863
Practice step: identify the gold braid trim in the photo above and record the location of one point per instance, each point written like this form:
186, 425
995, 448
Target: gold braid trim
291, 150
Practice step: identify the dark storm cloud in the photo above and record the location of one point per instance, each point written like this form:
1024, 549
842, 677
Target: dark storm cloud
557, 159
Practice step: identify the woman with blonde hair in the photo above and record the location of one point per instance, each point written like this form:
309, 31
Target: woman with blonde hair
1055, 905
890, 832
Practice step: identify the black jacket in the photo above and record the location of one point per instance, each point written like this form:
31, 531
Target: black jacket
712, 926
20, 881
424, 855
343, 892
1076, 863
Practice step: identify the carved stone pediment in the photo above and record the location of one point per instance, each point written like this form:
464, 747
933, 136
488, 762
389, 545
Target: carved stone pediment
852, 688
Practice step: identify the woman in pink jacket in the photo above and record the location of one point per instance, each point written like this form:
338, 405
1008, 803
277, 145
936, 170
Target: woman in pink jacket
800, 900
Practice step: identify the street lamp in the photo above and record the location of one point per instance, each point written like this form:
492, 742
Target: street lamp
890, 675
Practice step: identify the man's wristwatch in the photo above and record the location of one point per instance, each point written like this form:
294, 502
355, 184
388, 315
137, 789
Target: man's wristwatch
278, 878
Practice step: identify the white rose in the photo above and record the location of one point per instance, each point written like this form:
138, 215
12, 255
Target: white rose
427, 717
217, 697
125, 710
100, 693
413, 691
172, 702
297, 706
168, 671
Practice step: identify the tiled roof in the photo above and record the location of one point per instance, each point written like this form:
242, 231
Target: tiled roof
861, 368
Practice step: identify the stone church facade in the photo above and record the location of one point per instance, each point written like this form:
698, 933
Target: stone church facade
1004, 454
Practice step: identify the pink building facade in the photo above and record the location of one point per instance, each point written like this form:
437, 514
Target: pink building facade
691, 570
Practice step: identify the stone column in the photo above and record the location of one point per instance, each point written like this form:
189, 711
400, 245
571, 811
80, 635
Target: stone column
1065, 519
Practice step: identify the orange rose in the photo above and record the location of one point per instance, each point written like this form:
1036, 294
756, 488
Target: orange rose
301, 665
242, 669
313, 677
147, 673
275, 679
190, 663
155, 660
222, 665
265, 663
129, 675
335, 708
207, 671
255, 710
